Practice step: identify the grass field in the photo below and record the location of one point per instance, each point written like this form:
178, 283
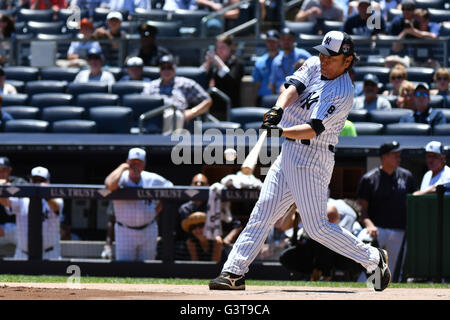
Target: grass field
113, 280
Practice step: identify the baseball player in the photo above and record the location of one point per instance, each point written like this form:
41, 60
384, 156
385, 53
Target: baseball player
136, 227
51, 211
310, 113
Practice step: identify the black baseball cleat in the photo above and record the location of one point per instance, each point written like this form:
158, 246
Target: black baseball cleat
382, 274
227, 281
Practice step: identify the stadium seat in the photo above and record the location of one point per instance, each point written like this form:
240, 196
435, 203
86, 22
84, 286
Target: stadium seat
392, 13
100, 14
437, 101
167, 28
116, 72
222, 126
20, 27
77, 88
57, 113
65, 13
59, 73
140, 104
387, 116
74, 126
22, 112
42, 100
26, 125
190, 19
21, 73
407, 129
130, 27
298, 27
447, 102
444, 31
188, 56
151, 72
446, 113
420, 74
62, 46
329, 25
128, 87
45, 86
269, 101
368, 128
441, 130
19, 85
245, 115
359, 115
112, 119
381, 72
54, 27
19, 99
35, 15
195, 73
256, 125
427, 4
88, 100
439, 15
143, 15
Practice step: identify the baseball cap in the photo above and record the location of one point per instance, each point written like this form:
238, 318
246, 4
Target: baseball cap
335, 43
135, 62
364, 1
94, 52
435, 147
272, 35
40, 172
137, 153
286, 30
114, 15
4, 162
422, 85
166, 59
370, 77
408, 4
389, 147
86, 23
147, 30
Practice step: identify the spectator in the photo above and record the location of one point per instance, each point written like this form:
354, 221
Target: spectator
136, 228
78, 50
438, 172
263, 64
130, 5
172, 5
283, 63
359, 24
313, 10
199, 247
370, 100
396, 77
189, 98
382, 196
54, 5
95, 72
135, 70
405, 98
5, 88
4, 116
51, 209
399, 23
149, 51
358, 91
7, 36
423, 112
113, 32
89, 5
424, 29
214, 25
441, 80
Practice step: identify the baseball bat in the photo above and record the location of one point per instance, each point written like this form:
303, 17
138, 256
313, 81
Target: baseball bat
252, 158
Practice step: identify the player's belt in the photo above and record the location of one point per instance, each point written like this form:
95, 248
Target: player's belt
134, 228
307, 142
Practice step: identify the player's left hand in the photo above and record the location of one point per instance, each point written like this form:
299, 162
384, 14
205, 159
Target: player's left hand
273, 116
272, 130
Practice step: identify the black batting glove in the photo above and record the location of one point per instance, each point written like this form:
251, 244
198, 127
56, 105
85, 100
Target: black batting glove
273, 116
272, 130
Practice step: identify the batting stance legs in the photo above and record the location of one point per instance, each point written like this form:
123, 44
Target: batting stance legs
301, 174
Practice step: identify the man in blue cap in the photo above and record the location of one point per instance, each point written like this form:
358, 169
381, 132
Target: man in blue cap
370, 100
95, 73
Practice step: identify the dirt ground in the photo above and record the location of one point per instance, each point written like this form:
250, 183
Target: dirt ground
96, 291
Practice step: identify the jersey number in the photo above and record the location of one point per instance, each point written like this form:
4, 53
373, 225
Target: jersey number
331, 109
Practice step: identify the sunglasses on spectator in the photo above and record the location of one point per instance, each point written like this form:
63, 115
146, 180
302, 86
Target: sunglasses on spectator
38, 179
407, 9
398, 78
195, 226
166, 67
422, 94
442, 79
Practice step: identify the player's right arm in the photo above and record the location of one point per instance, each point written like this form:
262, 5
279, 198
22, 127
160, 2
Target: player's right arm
112, 180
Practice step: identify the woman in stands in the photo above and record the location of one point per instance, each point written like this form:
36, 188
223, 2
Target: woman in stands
7, 34
406, 98
396, 77
441, 80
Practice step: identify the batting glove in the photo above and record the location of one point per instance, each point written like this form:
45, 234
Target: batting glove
273, 116
272, 130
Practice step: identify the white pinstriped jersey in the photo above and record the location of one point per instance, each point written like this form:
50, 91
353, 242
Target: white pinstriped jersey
326, 100
135, 213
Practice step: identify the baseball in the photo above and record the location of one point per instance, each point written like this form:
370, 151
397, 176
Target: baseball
230, 154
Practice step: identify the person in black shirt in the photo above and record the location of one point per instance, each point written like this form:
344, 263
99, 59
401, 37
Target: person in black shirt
382, 195
149, 52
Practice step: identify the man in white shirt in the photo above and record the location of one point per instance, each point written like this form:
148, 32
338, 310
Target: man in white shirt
370, 100
438, 173
95, 72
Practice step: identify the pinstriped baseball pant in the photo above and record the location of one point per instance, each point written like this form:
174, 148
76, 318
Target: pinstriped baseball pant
301, 174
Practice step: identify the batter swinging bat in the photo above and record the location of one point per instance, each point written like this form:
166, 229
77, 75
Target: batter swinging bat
252, 158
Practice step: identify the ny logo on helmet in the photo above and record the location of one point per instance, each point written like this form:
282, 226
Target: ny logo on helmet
327, 40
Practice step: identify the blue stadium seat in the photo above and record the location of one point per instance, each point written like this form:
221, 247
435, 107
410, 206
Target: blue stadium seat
298, 27
19, 27
22, 112
190, 19
59, 73
446, 112
441, 130
74, 126
167, 28
256, 125
407, 129
447, 102
388, 116
142, 15
437, 101
117, 72
101, 13
140, 104
130, 27
54, 27
245, 115
222, 126
360, 115
329, 25
427, 4
381, 72
21, 73
420, 74
45, 86
444, 31
62, 46
392, 13
439, 15
195, 73
58, 113
35, 15
368, 128
65, 13
19, 85
88, 100
269, 101
19, 99
77, 88
151, 72
42, 100
26, 125
127, 87
112, 119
